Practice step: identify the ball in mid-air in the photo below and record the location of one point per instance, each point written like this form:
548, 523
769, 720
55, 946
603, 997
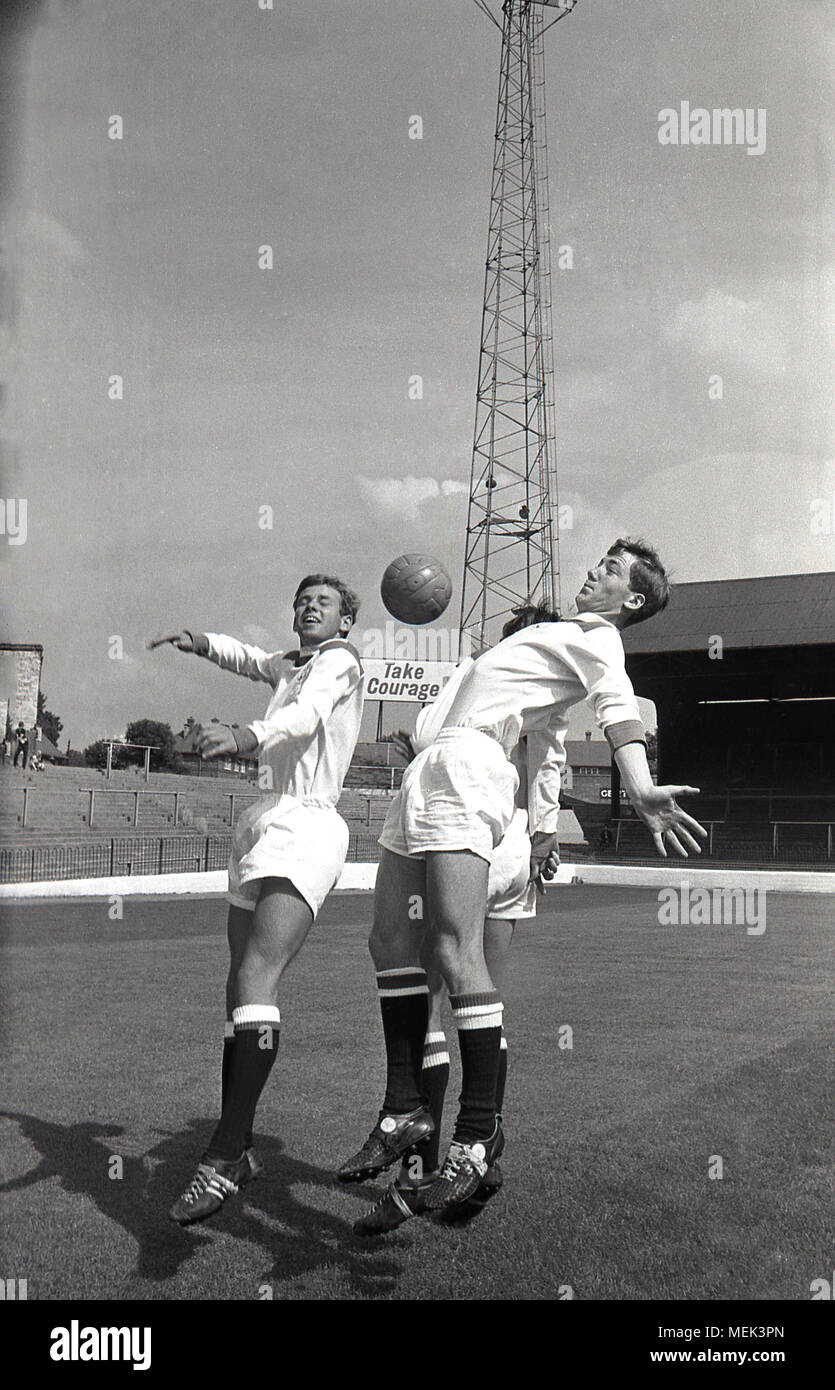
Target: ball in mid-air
416, 589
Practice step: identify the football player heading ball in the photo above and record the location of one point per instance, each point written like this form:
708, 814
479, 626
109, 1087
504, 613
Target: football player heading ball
516, 873
456, 803
288, 849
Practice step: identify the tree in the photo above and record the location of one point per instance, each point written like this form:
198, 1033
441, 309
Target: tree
95, 755
159, 736
49, 722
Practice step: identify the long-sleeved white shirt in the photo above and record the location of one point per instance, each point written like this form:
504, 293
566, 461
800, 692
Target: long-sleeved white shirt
539, 757
528, 682
310, 730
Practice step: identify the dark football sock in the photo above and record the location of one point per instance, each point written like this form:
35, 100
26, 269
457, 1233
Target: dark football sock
228, 1046
250, 1060
404, 1005
478, 1018
501, 1080
434, 1079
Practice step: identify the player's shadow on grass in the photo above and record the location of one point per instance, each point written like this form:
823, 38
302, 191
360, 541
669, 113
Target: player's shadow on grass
77, 1157
311, 1238
139, 1199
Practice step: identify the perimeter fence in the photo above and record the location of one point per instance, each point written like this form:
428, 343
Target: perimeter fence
125, 856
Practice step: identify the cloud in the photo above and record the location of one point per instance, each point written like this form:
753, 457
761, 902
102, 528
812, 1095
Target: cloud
258, 636
405, 495
751, 332
716, 516
733, 515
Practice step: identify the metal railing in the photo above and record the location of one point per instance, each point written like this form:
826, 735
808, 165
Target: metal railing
387, 779
49, 801
740, 803
127, 856
234, 799
159, 854
742, 840
776, 825
116, 857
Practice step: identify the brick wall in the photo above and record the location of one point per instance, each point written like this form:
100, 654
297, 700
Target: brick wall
21, 677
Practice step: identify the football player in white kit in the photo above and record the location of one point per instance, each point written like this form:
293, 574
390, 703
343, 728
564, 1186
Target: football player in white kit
288, 849
516, 873
455, 805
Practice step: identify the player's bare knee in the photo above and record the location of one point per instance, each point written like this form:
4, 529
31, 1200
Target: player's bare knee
460, 957
258, 975
449, 951
257, 992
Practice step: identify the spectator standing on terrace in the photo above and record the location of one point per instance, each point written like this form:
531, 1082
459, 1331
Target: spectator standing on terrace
22, 744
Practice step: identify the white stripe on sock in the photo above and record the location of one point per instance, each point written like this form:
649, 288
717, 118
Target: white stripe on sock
256, 1013
395, 993
435, 1059
474, 1010
483, 1021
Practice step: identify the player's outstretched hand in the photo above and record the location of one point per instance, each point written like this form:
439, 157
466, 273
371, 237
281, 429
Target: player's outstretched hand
216, 742
545, 859
660, 811
183, 641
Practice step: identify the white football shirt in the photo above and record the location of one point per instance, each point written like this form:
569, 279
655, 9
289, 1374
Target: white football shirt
310, 729
529, 681
539, 758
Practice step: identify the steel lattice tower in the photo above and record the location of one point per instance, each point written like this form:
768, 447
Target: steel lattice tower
512, 553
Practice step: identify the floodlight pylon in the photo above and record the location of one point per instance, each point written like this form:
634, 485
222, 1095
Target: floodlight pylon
512, 542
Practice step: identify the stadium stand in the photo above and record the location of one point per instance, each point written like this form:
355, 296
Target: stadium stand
742, 674
171, 822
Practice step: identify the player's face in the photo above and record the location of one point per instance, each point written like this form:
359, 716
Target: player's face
606, 586
317, 616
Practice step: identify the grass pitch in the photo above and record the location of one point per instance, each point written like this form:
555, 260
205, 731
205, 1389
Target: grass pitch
689, 1044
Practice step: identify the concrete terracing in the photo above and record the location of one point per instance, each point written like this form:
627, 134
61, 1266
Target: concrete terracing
56, 805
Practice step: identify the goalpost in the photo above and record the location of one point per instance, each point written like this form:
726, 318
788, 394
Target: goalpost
120, 743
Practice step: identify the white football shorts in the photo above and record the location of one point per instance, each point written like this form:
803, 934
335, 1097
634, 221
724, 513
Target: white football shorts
459, 793
510, 893
284, 837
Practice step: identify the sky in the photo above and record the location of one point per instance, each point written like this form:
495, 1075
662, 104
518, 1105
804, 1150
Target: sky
287, 388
